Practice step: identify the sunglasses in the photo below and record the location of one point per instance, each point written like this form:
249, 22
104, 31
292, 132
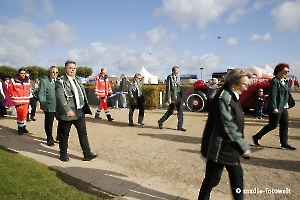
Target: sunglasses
22, 73
54, 72
287, 72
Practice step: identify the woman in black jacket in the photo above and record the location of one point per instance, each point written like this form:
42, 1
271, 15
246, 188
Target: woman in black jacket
223, 140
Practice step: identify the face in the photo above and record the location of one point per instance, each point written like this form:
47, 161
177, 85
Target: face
282, 74
22, 74
137, 78
242, 85
54, 73
71, 70
104, 72
175, 71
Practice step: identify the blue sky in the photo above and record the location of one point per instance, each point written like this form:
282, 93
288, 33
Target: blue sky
124, 35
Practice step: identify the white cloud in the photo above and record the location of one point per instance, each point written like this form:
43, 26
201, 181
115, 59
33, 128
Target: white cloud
47, 7
287, 16
59, 33
256, 37
201, 13
132, 36
160, 37
235, 16
232, 41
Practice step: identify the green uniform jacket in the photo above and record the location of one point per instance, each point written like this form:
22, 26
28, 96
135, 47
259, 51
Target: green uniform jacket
172, 88
65, 99
279, 96
46, 94
223, 136
133, 92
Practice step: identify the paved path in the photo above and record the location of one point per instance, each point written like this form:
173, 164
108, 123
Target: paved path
136, 162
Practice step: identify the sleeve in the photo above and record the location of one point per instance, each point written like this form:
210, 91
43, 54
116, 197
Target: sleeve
168, 88
42, 95
130, 90
227, 127
272, 95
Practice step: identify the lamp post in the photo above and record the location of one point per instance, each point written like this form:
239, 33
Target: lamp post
201, 68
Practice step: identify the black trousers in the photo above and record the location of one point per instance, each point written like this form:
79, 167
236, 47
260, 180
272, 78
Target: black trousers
170, 111
32, 102
274, 119
64, 130
2, 106
213, 176
48, 125
140, 106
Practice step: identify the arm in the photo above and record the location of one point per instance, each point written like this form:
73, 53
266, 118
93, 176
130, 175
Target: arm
226, 126
168, 90
61, 98
42, 95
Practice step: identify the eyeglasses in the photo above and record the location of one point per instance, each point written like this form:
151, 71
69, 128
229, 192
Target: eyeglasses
54, 72
287, 72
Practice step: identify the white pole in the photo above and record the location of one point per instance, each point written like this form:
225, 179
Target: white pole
160, 99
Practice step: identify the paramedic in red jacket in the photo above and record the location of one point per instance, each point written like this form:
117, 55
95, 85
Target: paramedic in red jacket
19, 89
102, 91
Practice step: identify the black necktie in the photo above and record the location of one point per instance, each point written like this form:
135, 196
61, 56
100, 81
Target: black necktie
79, 92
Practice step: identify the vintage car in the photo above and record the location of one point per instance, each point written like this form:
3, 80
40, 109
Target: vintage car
196, 99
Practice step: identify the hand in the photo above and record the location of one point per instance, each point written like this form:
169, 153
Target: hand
248, 153
275, 111
70, 113
169, 101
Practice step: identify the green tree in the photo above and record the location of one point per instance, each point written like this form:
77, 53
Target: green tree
36, 72
61, 71
84, 71
7, 72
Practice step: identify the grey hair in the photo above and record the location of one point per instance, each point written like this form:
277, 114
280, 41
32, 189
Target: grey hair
235, 75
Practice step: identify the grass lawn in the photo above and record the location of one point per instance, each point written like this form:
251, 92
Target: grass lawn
24, 178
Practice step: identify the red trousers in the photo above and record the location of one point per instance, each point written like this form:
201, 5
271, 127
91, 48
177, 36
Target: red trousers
103, 104
22, 111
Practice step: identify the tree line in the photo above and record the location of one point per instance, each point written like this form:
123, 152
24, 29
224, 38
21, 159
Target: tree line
37, 72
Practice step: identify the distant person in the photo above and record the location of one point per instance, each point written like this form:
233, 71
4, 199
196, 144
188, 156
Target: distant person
7, 101
136, 100
47, 98
102, 90
174, 99
19, 89
279, 101
71, 107
123, 90
259, 103
2, 98
212, 89
34, 88
296, 84
223, 137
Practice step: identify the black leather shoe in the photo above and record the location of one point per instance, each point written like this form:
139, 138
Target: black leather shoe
287, 146
89, 157
33, 118
50, 144
65, 159
255, 141
160, 125
131, 124
181, 129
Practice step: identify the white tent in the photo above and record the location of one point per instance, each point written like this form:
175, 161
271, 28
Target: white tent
267, 68
147, 77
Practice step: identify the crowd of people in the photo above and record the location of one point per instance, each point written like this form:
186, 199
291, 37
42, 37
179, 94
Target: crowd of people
64, 98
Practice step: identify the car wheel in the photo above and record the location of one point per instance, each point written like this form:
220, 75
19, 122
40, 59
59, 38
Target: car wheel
196, 101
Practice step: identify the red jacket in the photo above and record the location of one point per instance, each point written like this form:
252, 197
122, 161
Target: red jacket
19, 89
102, 86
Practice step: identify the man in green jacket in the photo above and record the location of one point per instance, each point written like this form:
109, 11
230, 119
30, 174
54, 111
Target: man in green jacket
46, 95
174, 99
71, 107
